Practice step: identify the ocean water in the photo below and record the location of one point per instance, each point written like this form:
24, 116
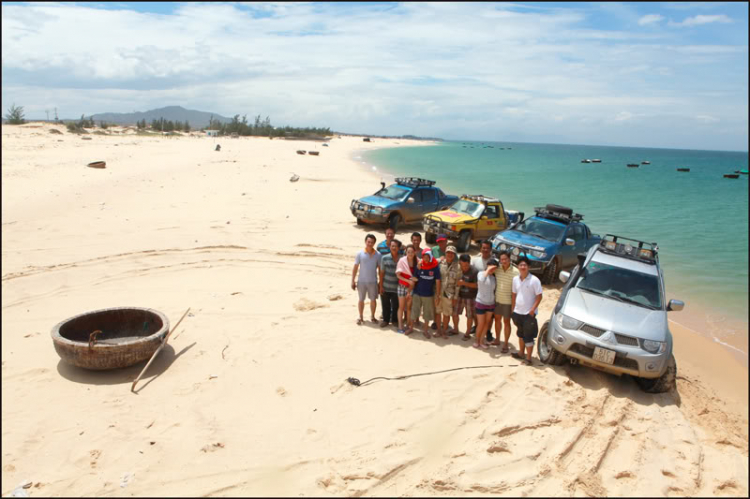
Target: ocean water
699, 219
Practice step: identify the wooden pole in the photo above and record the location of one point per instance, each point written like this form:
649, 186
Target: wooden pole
163, 344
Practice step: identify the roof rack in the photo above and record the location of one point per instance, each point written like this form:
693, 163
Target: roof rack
414, 182
480, 198
564, 217
630, 248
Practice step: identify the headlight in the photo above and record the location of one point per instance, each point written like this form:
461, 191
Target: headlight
568, 322
503, 247
538, 254
654, 346
516, 251
377, 211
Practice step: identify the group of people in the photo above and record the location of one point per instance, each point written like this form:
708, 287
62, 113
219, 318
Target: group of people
437, 285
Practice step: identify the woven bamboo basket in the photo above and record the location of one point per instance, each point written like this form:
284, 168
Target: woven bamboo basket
110, 338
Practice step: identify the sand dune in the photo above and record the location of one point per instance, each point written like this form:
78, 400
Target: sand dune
250, 397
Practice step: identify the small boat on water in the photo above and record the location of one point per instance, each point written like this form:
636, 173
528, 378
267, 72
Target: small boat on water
732, 175
683, 169
741, 172
596, 160
645, 162
633, 165
97, 164
585, 161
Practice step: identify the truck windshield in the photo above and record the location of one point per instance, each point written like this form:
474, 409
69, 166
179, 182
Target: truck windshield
621, 284
468, 208
394, 191
545, 230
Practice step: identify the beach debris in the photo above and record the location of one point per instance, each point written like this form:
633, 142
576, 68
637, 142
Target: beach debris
300, 151
126, 479
19, 492
326, 145
97, 164
305, 305
222, 352
55, 131
314, 153
218, 147
335, 297
294, 178
213, 376
163, 344
85, 138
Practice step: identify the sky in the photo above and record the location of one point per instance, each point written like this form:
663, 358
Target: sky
640, 74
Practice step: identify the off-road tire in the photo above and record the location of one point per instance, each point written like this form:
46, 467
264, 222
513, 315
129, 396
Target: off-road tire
394, 221
545, 350
430, 238
464, 242
550, 273
560, 209
666, 382
360, 222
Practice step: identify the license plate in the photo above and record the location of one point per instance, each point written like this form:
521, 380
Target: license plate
359, 213
603, 355
426, 228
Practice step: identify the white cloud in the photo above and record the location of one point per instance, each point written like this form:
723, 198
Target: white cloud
650, 19
707, 119
703, 19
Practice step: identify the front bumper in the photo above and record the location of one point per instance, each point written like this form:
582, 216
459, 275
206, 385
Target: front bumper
368, 213
630, 360
536, 265
436, 227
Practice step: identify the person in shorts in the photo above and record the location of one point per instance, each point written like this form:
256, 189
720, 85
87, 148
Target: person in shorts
526, 297
450, 273
423, 297
467, 293
503, 298
485, 305
405, 271
479, 262
367, 284
389, 285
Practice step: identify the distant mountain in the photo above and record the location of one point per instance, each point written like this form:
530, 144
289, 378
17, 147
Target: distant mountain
197, 119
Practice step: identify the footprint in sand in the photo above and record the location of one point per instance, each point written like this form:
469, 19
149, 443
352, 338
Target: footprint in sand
281, 391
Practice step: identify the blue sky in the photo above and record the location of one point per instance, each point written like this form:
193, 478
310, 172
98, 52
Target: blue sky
630, 74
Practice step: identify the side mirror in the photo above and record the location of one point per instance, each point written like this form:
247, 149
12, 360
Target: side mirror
570, 242
675, 305
564, 276
410, 200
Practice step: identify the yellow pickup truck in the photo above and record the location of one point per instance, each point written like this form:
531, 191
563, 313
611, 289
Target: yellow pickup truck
471, 218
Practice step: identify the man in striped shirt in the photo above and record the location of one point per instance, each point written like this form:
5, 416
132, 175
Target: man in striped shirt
389, 285
503, 297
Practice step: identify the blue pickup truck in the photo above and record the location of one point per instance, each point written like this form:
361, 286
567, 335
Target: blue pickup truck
551, 240
408, 200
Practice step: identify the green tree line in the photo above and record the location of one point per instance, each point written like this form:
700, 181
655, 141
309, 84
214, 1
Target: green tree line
262, 128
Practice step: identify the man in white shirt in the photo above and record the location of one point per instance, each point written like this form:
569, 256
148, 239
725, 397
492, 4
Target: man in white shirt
526, 295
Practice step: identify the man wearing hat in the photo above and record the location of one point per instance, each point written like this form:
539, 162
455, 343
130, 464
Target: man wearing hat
438, 252
450, 273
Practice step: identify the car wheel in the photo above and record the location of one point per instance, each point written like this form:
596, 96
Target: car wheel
360, 222
546, 351
664, 383
550, 273
464, 241
394, 221
430, 238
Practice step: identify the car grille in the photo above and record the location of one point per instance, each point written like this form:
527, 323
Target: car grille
626, 340
593, 331
623, 362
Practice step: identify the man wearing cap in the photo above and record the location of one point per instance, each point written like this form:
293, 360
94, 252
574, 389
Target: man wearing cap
438, 252
503, 298
450, 273
526, 297
423, 297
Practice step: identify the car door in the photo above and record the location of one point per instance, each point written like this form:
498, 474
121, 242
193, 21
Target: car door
413, 211
444, 202
489, 222
577, 233
429, 200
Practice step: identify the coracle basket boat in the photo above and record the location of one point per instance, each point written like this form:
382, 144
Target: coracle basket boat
97, 164
110, 338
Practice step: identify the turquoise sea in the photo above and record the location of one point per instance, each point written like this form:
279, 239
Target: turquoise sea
699, 219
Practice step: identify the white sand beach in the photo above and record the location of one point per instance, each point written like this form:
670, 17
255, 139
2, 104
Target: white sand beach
250, 396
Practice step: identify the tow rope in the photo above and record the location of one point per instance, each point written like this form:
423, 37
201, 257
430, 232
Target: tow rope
356, 382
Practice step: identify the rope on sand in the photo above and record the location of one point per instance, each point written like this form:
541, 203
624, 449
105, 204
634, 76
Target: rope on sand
356, 382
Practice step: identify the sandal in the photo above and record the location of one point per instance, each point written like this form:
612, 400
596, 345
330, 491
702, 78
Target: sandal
528, 362
360, 322
408, 331
466, 337
504, 350
374, 320
427, 335
516, 355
